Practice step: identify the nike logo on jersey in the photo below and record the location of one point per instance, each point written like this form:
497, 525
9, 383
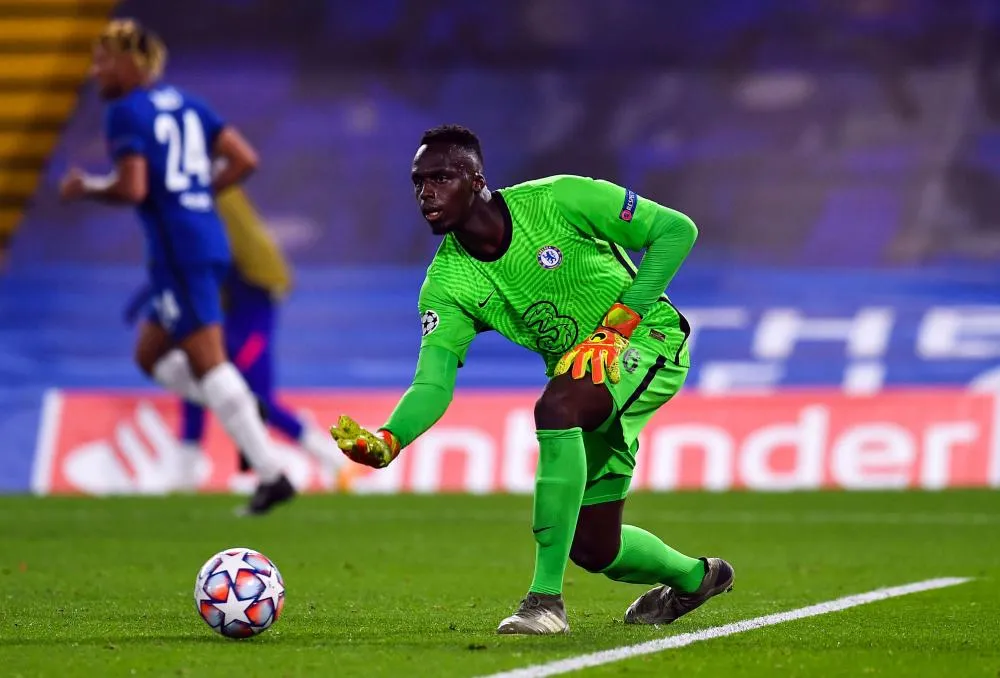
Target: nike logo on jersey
482, 304
541, 529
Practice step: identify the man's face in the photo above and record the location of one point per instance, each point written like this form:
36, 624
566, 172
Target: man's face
111, 70
445, 183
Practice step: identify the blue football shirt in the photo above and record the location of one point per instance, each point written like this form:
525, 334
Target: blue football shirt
175, 133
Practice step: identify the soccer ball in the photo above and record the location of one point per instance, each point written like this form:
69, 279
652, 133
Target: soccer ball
239, 592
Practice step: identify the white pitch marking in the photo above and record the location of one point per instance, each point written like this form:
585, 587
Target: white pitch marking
671, 642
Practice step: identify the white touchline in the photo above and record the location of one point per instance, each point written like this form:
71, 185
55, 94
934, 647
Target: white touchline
670, 642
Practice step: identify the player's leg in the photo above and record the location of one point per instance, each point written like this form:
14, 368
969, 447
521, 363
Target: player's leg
306, 433
158, 357
628, 553
197, 328
565, 410
192, 423
190, 459
250, 338
602, 543
230, 399
235, 329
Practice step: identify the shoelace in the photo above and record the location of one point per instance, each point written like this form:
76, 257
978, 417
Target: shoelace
531, 602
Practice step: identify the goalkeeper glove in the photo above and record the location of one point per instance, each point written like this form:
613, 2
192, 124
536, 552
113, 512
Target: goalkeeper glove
362, 446
601, 349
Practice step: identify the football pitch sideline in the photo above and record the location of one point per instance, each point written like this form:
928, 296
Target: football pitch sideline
847, 583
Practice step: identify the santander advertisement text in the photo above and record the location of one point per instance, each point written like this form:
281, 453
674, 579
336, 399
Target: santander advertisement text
125, 443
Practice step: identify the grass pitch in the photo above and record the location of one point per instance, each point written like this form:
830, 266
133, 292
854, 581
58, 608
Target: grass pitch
392, 586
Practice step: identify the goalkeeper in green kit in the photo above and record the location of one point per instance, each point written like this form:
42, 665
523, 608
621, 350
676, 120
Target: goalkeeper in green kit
542, 264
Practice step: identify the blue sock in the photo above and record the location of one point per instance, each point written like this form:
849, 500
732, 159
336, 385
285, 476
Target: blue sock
281, 419
192, 422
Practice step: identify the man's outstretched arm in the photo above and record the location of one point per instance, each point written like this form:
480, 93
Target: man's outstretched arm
421, 406
428, 397
446, 333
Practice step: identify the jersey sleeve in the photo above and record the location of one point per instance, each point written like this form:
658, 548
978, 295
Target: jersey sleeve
610, 212
123, 131
442, 322
428, 397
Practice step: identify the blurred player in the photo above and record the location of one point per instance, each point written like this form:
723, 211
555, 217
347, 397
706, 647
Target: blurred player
162, 141
542, 264
260, 277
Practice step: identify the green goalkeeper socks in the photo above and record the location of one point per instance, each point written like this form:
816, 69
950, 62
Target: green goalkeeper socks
644, 559
559, 483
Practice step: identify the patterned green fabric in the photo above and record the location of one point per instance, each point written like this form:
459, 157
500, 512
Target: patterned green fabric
560, 275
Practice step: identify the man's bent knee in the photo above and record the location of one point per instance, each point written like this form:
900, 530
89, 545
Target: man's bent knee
205, 349
594, 556
152, 345
597, 540
145, 360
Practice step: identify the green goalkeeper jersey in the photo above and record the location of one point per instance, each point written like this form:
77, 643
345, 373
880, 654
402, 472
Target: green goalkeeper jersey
564, 267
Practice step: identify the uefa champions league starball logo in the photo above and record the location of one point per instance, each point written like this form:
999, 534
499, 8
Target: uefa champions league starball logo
428, 322
549, 257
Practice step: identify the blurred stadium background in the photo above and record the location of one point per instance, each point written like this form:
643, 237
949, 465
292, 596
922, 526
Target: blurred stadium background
841, 158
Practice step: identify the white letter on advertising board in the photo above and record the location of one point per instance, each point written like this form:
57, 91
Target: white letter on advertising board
873, 456
938, 442
780, 329
429, 455
668, 446
806, 437
950, 332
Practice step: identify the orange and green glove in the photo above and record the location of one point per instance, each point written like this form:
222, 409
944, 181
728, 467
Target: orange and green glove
362, 446
600, 351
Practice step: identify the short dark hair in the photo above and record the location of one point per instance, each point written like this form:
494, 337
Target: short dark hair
454, 135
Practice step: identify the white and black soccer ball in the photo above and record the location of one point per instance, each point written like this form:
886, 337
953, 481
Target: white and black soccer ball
239, 593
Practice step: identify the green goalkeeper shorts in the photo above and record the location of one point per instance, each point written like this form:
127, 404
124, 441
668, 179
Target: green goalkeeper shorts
653, 369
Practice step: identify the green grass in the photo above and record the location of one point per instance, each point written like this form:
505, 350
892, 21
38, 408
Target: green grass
387, 586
